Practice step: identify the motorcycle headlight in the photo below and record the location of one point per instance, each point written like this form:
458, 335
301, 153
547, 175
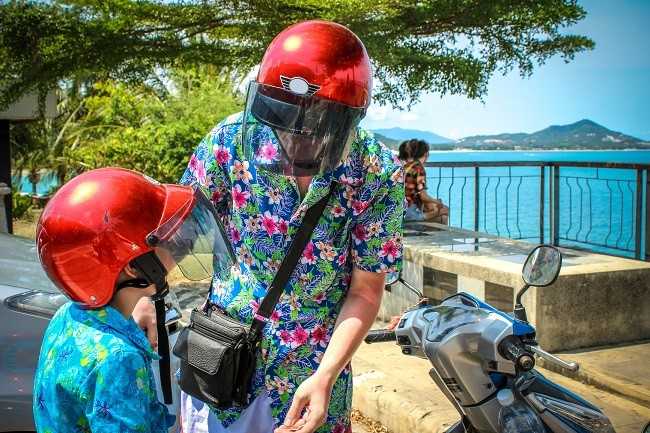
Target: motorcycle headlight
590, 419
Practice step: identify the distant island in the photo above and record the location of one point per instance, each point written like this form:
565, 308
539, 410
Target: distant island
583, 135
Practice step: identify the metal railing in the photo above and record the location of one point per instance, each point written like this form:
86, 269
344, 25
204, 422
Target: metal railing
601, 207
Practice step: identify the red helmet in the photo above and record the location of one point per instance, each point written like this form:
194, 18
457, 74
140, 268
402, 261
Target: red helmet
103, 219
312, 89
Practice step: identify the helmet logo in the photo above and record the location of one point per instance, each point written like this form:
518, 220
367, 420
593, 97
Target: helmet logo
299, 86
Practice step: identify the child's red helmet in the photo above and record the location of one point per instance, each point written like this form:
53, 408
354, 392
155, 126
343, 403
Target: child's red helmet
103, 219
313, 88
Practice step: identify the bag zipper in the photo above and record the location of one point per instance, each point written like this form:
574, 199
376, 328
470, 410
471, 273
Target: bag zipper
237, 324
213, 333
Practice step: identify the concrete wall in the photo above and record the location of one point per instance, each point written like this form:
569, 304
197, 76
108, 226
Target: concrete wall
592, 309
602, 303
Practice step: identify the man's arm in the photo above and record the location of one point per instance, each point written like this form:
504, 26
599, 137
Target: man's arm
357, 315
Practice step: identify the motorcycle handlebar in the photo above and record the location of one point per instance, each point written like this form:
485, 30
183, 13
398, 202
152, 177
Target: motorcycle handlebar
517, 354
379, 336
571, 366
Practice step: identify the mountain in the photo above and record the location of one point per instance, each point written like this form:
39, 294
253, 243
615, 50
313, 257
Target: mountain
400, 134
392, 144
585, 134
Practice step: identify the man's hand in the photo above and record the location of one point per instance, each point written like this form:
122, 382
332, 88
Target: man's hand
144, 315
308, 409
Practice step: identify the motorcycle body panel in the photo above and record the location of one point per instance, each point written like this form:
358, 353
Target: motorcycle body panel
537, 383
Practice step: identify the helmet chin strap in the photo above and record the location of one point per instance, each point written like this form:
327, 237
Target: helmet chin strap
139, 283
154, 272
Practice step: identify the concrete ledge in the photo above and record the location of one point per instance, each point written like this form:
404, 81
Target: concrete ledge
619, 370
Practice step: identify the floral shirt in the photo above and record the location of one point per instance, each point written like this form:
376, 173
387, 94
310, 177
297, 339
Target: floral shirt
94, 375
360, 227
415, 181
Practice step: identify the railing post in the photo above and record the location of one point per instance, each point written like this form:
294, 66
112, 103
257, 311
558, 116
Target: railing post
555, 205
542, 188
476, 198
638, 223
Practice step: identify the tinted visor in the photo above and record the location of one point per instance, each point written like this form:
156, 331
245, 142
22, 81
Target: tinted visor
195, 239
311, 134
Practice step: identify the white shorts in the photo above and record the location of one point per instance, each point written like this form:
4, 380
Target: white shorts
196, 417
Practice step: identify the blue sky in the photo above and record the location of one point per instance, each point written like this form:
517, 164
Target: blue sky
610, 85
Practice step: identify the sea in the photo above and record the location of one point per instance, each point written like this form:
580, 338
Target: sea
597, 208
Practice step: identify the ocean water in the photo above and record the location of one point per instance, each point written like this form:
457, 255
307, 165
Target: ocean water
47, 183
597, 206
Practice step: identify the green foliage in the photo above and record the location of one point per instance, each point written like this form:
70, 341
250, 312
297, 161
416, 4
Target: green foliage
443, 46
42, 145
136, 128
21, 204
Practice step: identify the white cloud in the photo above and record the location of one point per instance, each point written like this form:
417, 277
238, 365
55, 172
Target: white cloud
377, 113
408, 116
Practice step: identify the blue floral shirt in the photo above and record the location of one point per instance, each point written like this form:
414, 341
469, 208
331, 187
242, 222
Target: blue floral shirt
361, 227
94, 375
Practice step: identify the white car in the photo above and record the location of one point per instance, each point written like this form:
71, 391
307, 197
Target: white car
27, 301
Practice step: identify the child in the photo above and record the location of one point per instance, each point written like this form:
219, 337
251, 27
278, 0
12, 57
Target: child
107, 239
421, 206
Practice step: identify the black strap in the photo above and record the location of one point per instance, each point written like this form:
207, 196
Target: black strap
163, 351
288, 265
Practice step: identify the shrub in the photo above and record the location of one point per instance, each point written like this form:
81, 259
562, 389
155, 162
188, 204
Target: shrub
21, 204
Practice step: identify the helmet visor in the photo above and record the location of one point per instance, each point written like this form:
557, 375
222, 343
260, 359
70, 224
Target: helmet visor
194, 239
310, 135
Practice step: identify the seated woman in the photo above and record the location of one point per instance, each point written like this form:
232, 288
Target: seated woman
421, 206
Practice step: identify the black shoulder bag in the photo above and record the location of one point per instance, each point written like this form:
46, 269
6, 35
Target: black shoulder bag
218, 353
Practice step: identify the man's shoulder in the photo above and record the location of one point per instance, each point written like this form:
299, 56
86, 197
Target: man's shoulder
376, 157
229, 123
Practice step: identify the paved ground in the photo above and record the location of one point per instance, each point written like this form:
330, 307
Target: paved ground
397, 391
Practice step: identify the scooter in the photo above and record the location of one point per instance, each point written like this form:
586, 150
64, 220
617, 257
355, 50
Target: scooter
483, 361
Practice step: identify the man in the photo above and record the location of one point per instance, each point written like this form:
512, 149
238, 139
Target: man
300, 136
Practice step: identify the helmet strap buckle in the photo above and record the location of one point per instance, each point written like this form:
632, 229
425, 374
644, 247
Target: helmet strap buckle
153, 271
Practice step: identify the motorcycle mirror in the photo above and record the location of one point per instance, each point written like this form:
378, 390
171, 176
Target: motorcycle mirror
542, 266
396, 277
392, 278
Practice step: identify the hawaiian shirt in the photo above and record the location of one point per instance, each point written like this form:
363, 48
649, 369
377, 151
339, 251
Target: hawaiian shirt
361, 227
415, 181
94, 375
